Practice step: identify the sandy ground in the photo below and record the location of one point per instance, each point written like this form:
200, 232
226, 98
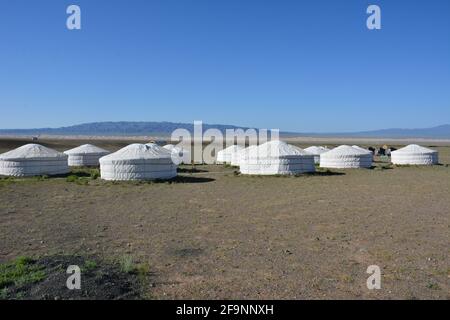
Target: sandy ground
214, 234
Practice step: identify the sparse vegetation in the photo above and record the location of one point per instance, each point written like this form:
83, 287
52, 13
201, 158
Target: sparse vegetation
126, 264
20, 272
95, 174
23, 279
72, 178
82, 176
433, 286
89, 265
5, 181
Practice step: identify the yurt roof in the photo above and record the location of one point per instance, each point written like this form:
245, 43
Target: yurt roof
414, 149
316, 150
86, 149
31, 151
172, 147
361, 149
277, 148
233, 148
345, 150
139, 151
248, 149
169, 146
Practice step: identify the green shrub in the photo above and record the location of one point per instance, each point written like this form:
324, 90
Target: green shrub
127, 264
20, 272
89, 265
95, 174
72, 178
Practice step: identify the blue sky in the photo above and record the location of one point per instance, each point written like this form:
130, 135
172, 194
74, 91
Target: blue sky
294, 65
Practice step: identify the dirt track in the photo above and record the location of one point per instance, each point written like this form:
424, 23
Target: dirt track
213, 234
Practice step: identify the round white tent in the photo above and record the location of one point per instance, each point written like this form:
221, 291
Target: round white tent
415, 155
179, 154
277, 157
317, 151
225, 155
344, 157
237, 157
33, 160
85, 155
138, 162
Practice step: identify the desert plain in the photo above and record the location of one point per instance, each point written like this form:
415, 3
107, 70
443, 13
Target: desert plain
215, 234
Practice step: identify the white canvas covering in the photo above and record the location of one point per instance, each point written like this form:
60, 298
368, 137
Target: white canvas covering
180, 155
415, 155
277, 157
344, 157
237, 157
225, 155
316, 151
33, 160
138, 162
85, 156
361, 149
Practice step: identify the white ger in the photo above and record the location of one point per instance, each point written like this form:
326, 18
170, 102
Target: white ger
277, 158
317, 151
415, 155
138, 162
33, 160
86, 155
224, 156
237, 157
346, 157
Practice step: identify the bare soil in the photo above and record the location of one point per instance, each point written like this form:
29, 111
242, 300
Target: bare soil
213, 234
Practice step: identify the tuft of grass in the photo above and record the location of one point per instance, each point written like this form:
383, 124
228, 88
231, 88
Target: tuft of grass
78, 180
19, 272
83, 181
82, 176
95, 174
4, 293
89, 265
127, 265
142, 269
433, 286
6, 180
346, 278
72, 178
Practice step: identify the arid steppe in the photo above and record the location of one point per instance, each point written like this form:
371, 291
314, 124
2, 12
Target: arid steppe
214, 234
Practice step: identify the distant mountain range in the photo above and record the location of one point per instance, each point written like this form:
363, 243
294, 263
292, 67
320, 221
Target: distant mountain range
439, 132
166, 128
122, 128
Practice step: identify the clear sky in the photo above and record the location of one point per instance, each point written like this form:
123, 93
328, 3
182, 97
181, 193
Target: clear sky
303, 65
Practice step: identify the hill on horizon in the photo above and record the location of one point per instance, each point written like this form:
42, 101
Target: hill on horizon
131, 128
